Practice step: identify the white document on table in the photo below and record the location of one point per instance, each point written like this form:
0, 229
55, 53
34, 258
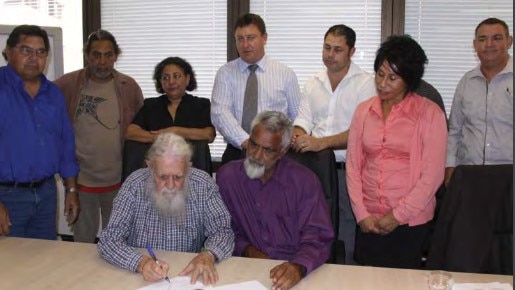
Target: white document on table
249, 285
183, 283
177, 283
482, 286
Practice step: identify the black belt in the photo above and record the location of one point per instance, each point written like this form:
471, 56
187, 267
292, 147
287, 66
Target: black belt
31, 184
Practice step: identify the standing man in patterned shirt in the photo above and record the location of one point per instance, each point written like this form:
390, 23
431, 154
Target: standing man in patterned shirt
101, 104
277, 86
168, 206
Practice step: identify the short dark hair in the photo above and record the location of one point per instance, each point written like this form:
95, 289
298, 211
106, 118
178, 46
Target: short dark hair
492, 21
186, 67
405, 56
345, 31
101, 34
27, 30
248, 19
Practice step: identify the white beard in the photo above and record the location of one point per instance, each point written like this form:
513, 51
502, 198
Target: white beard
168, 202
253, 168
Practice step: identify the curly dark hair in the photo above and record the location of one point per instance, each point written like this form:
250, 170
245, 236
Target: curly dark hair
405, 56
186, 67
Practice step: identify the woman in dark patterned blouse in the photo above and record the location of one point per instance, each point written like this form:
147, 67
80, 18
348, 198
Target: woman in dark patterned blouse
175, 111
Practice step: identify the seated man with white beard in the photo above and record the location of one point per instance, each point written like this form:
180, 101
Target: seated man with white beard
277, 205
168, 206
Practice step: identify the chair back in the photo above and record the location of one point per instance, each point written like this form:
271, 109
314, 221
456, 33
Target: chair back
134, 154
474, 229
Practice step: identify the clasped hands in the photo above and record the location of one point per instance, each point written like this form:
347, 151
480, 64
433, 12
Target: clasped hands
202, 266
380, 226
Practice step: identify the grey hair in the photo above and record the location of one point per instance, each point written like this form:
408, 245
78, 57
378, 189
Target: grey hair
169, 144
275, 122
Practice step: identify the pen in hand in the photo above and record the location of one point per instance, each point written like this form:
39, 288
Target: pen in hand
153, 256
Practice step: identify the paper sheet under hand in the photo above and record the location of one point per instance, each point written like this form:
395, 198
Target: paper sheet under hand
482, 286
177, 283
249, 285
183, 283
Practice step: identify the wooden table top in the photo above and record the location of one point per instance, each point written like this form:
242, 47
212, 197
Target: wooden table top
40, 264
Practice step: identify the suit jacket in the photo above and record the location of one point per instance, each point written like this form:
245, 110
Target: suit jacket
474, 231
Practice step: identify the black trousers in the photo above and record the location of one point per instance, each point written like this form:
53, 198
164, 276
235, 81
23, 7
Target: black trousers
402, 248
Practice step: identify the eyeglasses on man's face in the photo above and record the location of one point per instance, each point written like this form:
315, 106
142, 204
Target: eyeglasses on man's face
29, 51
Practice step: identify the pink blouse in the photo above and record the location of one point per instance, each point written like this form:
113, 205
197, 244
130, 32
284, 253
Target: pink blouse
399, 164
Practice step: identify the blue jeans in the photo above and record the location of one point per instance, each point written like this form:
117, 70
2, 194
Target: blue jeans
32, 211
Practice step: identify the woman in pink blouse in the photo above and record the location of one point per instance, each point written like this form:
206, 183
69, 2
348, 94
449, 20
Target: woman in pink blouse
395, 160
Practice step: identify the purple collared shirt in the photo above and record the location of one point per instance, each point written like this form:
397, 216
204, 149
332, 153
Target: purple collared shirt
287, 217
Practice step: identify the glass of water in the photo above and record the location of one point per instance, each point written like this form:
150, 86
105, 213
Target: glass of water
440, 280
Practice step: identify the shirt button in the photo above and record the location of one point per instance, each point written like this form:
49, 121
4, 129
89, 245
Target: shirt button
265, 238
488, 145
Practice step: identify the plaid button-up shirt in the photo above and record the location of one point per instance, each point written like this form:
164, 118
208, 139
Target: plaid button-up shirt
136, 223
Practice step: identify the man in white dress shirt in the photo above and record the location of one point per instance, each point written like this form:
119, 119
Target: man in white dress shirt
327, 105
278, 88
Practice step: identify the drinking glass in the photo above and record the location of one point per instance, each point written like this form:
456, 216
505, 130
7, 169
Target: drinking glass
440, 280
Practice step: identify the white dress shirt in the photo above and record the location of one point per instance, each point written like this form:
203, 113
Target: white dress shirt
325, 113
278, 90
481, 120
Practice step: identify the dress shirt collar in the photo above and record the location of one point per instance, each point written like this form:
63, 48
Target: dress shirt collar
185, 99
407, 106
354, 70
476, 72
280, 171
278, 176
117, 77
15, 78
243, 66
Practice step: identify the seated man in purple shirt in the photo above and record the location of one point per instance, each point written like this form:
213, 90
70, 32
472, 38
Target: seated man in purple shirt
277, 205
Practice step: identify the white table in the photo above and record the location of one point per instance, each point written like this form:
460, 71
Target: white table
43, 265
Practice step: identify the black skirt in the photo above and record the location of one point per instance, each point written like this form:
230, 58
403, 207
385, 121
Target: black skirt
402, 248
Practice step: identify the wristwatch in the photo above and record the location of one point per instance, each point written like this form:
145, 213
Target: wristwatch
71, 189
